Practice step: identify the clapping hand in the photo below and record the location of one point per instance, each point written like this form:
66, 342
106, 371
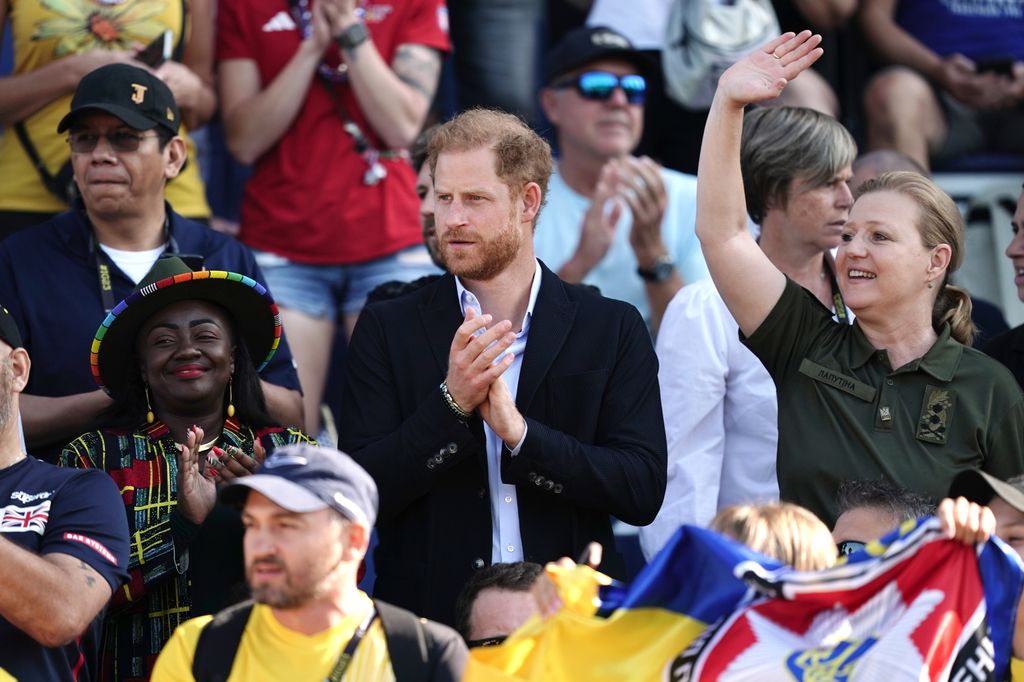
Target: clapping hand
232, 462
764, 73
471, 359
197, 493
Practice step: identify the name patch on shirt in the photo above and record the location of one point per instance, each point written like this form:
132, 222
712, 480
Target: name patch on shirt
831, 377
936, 415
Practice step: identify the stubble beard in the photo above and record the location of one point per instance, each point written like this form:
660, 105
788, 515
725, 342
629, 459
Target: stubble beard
495, 255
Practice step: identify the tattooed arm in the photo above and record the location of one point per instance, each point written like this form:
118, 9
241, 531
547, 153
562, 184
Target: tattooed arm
394, 99
51, 598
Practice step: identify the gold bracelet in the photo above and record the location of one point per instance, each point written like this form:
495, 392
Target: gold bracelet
452, 405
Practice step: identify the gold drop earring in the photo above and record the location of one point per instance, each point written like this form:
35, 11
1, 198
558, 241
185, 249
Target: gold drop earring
150, 417
231, 406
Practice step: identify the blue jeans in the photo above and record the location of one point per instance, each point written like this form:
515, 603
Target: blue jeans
328, 291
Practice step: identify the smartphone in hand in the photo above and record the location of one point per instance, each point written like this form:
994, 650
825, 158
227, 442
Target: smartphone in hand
158, 51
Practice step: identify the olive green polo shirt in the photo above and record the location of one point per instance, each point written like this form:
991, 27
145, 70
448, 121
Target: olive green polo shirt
844, 413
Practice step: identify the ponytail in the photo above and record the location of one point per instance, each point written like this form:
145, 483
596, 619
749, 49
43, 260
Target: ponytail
953, 305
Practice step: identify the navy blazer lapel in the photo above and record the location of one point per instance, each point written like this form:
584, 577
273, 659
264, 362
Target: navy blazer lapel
441, 316
552, 319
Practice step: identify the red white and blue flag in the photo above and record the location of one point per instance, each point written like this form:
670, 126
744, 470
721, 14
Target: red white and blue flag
913, 606
15, 519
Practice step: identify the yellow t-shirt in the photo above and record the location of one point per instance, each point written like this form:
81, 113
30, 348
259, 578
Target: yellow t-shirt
270, 652
46, 33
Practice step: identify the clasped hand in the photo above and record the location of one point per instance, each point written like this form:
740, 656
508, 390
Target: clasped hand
474, 374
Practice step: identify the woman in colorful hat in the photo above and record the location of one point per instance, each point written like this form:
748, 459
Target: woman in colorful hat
180, 358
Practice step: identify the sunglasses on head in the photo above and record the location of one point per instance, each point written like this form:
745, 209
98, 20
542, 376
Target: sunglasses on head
85, 141
848, 547
599, 85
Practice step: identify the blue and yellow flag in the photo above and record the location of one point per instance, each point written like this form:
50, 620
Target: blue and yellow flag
914, 606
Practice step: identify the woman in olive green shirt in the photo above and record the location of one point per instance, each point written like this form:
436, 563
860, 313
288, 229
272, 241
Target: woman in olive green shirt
898, 394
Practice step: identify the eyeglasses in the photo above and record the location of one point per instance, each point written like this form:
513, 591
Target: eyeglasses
490, 641
85, 141
848, 547
599, 85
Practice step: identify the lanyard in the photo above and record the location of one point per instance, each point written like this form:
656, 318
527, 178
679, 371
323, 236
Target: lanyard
341, 665
837, 298
103, 263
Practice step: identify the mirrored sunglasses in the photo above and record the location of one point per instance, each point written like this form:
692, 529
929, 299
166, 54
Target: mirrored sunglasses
599, 85
848, 547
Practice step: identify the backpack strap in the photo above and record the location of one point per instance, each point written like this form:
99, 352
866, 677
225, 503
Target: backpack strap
218, 643
407, 643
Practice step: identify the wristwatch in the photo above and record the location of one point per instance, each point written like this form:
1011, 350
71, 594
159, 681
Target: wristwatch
352, 37
662, 270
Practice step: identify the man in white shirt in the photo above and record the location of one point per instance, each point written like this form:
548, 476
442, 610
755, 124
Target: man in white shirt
621, 223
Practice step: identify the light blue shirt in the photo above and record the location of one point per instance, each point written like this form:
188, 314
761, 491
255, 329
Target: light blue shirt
506, 541
561, 224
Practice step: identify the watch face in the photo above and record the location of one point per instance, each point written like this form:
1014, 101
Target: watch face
663, 270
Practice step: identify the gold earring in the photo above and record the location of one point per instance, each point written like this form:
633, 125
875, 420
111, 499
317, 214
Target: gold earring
150, 417
231, 407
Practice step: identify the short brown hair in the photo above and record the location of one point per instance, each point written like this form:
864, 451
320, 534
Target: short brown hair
780, 530
521, 156
939, 222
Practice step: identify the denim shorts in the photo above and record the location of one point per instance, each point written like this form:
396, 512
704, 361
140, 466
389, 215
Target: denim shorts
327, 291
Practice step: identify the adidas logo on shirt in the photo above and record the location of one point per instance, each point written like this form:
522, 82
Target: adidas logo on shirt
281, 21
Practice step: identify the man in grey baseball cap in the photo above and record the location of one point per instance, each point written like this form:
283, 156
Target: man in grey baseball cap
308, 512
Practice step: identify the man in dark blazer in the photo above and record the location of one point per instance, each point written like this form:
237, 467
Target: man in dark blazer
503, 413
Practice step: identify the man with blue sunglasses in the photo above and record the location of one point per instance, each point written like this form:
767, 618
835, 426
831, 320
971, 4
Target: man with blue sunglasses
621, 223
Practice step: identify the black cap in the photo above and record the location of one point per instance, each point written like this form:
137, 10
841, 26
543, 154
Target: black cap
305, 478
977, 486
134, 95
9, 333
590, 43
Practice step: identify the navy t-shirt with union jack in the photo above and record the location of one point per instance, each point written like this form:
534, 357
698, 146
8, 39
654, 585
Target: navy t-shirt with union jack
48, 510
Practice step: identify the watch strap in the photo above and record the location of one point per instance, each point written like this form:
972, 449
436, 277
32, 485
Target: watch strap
353, 36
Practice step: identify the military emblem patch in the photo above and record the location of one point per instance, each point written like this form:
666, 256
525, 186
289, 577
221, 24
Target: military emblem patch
936, 415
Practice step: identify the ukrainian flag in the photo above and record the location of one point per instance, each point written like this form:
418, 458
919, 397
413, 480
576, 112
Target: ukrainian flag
914, 605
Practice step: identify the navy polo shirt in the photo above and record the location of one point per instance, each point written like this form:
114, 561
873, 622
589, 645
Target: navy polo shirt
49, 282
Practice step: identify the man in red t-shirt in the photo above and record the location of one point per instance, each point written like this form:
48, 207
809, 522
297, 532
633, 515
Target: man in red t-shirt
324, 96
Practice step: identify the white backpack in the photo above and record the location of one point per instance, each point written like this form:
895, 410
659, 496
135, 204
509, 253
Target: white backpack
704, 38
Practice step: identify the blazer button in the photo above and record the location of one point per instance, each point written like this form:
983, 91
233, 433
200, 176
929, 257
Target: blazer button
549, 485
431, 464
453, 448
532, 476
437, 459
540, 480
558, 488
478, 564
480, 493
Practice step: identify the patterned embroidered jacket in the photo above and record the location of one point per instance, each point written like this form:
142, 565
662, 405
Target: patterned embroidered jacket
177, 569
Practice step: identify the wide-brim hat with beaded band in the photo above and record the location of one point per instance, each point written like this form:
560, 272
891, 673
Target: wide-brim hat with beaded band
255, 314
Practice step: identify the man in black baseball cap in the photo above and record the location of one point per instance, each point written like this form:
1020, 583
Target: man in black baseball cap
132, 94
308, 512
617, 221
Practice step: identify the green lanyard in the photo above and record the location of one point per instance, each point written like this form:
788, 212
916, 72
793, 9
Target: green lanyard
341, 665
